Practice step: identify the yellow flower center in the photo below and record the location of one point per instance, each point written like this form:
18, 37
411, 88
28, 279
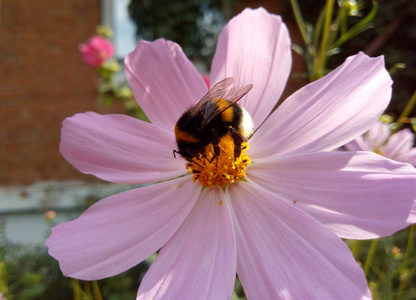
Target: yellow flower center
211, 170
378, 151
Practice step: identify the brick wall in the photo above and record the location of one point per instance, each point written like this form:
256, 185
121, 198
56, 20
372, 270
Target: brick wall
42, 81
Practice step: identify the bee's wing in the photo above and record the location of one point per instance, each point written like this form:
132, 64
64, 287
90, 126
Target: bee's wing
232, 95
216, 91
236, 93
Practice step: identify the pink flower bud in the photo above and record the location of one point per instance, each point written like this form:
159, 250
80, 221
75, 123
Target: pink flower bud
96, 51
50, 215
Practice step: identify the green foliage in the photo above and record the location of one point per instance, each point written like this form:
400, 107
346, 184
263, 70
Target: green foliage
382, 27
31, 274
34, 275
340, 29
113, 91
331, 30
389, 264
104, 31
192, 24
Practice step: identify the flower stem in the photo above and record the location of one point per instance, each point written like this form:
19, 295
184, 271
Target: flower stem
309, 50
407, 110
407, 257
355, 248
77, 290
323, 50
410, 241
96, 290
300, 21
361, 26
370, 256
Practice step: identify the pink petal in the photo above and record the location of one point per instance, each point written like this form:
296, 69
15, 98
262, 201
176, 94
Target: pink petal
164, 81
120, 231
399, 143
329, 112
254, 48
358, 195
359, 144
378, 134
199, 261
285, 254
408, 157
119, 148
412, 216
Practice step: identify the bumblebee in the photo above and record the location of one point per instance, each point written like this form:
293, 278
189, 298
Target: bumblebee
217, 114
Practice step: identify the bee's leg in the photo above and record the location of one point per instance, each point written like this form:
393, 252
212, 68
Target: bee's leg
196, 172
216, 151
174, 153
188, 159
193, 161
238, 140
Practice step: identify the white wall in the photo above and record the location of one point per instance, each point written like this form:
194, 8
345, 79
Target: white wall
22, 208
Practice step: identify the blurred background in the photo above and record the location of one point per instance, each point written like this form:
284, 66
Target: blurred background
43, 80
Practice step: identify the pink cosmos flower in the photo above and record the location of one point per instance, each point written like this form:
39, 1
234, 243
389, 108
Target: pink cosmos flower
96, 51
280, 229
397, 146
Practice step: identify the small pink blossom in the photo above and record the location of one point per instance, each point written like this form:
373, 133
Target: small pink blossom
96, 51
397, 146
280, 229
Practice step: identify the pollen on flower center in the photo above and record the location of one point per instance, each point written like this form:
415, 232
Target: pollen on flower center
378, 151
223, 169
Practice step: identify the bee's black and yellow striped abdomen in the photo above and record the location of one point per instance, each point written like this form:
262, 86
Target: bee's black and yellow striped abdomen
216, 115
193, 132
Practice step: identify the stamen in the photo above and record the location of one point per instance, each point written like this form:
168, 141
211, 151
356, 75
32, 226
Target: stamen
378, 151
223, 169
